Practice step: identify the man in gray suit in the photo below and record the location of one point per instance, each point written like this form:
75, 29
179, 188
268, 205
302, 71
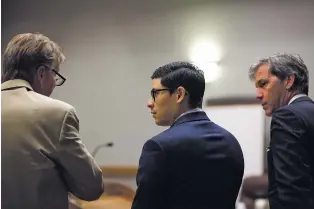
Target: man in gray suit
43, 157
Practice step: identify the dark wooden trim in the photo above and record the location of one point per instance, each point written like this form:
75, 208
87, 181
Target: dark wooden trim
119, 171
231, 101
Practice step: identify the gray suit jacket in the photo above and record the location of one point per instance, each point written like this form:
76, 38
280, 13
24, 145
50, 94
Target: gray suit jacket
43, 157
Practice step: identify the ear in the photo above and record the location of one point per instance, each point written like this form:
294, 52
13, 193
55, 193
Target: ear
39, 75
40, 72
181, 92
290, 81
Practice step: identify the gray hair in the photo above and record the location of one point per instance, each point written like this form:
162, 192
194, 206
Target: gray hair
26, 52
284, 65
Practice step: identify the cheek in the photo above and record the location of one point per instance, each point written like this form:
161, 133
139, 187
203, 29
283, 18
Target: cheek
161, 105
52, 81
273, 93
49, 79
268, 93
163, 108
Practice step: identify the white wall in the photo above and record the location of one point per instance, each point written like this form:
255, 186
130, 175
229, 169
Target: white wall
113, 47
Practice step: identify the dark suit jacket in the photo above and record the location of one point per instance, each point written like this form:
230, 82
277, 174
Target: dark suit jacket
290, 156
195, 164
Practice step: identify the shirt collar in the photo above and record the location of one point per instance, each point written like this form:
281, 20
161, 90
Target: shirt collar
187, 112
15, 83
296, 97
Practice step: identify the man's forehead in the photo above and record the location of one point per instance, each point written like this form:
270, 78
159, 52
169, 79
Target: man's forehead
156, 83
262, 73
263, 70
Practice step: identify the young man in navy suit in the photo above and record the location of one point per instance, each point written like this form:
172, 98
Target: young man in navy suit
282, 84
193, 164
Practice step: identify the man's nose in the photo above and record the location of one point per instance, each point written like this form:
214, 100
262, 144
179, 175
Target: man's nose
150, 103
259, 94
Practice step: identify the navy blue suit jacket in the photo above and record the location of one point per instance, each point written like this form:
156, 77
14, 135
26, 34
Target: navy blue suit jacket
195, 164
291, 156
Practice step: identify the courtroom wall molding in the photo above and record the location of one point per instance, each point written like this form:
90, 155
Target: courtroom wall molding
238, 100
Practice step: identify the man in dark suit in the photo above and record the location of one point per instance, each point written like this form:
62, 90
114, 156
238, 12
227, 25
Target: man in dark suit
282, 83
193, 164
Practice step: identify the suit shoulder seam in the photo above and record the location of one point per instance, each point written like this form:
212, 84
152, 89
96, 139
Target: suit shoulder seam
159, 144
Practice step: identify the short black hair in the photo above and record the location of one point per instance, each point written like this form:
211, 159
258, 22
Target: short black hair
184, 74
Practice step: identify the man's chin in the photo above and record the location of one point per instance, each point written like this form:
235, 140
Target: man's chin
268, 113
161, 123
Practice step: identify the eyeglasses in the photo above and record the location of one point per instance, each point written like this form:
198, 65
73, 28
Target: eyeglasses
154, 92
59, 78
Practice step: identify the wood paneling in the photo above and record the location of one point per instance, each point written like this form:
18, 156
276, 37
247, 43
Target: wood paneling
119, 171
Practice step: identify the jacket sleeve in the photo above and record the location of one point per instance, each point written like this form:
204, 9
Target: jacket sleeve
291, 160
81, 173
150, 177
